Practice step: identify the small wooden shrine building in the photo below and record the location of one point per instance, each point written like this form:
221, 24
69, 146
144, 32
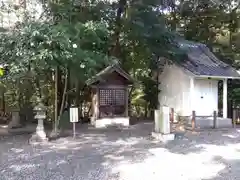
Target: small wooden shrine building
110, 97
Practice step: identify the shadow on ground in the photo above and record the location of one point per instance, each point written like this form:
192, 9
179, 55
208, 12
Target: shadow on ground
117, 153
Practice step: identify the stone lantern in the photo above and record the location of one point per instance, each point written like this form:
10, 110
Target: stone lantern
40, 134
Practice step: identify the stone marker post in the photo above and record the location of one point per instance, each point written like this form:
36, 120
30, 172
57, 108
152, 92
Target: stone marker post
15, 119
157, 117
162, 125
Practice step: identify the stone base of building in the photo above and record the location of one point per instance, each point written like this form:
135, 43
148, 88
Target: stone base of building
115, 121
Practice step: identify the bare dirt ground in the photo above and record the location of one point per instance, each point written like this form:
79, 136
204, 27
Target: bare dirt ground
123, 154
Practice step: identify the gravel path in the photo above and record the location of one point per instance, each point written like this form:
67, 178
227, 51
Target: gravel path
129, 154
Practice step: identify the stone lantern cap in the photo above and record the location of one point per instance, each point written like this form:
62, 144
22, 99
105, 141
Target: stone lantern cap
40, 110
40, 107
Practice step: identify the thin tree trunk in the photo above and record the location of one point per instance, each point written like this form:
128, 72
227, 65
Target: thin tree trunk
68, 100
64, 94
3, 102
56, 99
115, 51
77, 101
129, 102
146, 110
60, 89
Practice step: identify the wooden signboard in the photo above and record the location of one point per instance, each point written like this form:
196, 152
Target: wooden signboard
73, 114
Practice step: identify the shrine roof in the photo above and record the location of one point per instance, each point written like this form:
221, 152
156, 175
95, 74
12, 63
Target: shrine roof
108, 71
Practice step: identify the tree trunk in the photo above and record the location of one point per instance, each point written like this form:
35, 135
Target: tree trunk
129, 101
146, 110
56, 99
64, 94
115, 51
60, 89
68, 100
3, 102
77, 101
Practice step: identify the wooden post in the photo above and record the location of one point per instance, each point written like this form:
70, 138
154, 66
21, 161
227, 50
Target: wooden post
172, 115
3, 102
126, 102
193, 120
234, 117
97, 103
214, 119
94, 107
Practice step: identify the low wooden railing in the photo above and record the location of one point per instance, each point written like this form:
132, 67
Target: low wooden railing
214, 115
193, 120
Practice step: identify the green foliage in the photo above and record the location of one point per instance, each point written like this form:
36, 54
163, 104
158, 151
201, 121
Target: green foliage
146, 25
80, 37
45, 46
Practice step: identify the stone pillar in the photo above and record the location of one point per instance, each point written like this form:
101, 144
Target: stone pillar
162, 125
165, 120
15, 119
157, 117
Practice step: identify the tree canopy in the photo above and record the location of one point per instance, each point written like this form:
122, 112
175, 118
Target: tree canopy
69, 41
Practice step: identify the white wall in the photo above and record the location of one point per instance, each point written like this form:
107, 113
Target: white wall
175, 89
205, 96
176, 92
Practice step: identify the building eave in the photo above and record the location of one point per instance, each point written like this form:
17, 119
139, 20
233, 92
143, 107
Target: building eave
216, 77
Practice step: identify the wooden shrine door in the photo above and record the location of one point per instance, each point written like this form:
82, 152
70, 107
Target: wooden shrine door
112, 102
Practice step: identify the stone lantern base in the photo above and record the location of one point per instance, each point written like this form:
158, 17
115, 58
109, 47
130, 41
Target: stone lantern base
39, 135
37, 139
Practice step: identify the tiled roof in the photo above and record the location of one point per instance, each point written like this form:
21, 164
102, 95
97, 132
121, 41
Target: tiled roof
201, 61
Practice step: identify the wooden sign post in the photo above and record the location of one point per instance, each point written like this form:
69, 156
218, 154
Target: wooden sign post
74, 118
